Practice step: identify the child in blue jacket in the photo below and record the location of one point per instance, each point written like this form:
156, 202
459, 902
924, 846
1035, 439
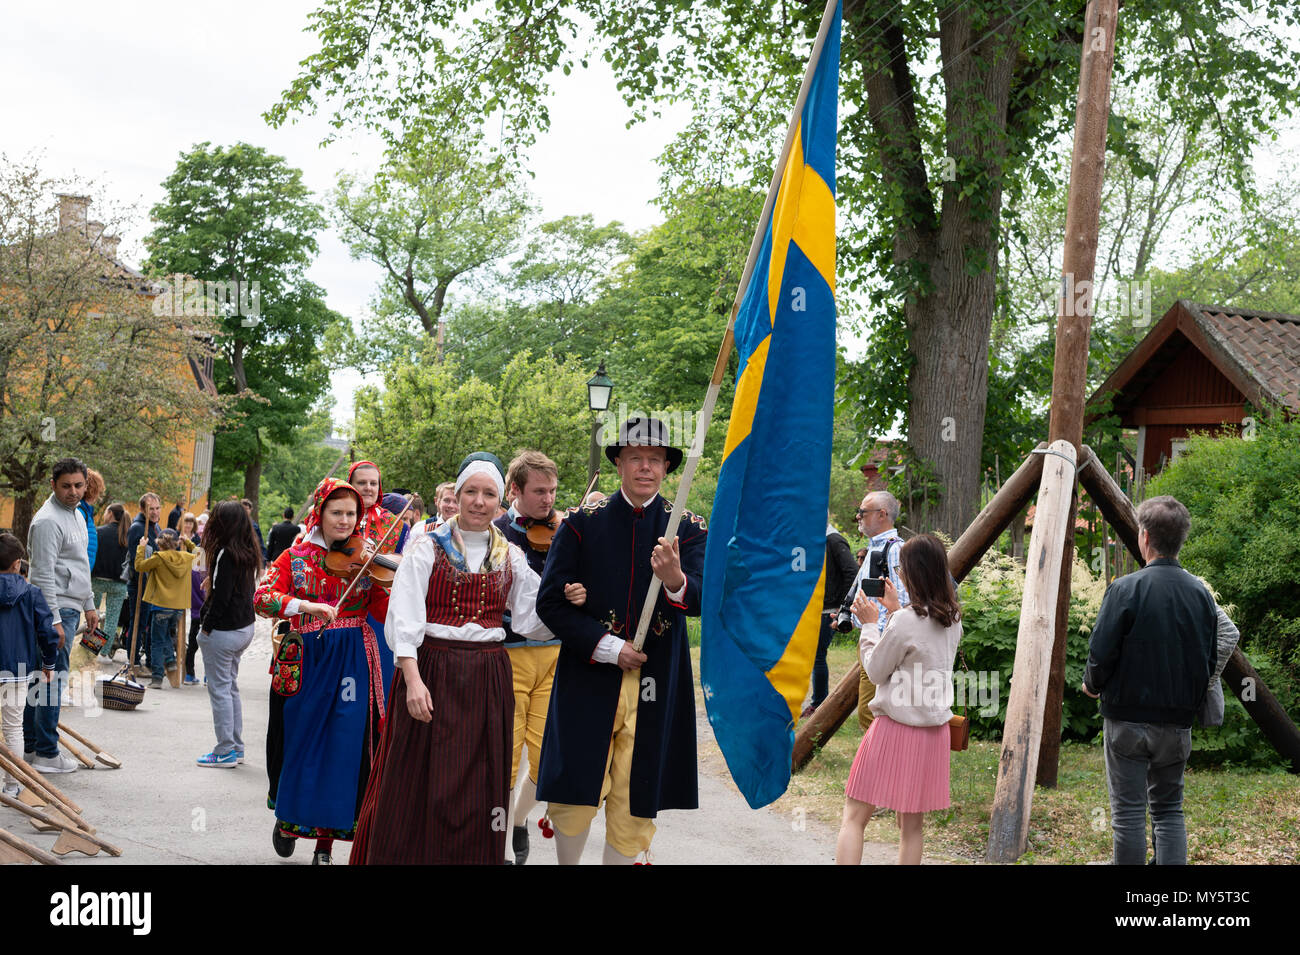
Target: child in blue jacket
28, 645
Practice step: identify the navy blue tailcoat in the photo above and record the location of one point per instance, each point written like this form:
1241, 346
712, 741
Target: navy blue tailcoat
606, 547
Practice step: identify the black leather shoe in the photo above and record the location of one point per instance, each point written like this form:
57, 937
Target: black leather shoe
283, 844
519, 842
321, 858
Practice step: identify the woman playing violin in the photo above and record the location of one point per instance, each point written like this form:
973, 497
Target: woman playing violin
331, 723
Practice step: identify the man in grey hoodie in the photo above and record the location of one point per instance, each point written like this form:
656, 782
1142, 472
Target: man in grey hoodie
57, 542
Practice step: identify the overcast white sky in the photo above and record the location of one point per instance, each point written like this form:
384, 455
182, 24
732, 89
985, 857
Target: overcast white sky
115, 92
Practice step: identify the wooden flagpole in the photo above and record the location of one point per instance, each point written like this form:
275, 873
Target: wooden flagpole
728, 337
1033, 720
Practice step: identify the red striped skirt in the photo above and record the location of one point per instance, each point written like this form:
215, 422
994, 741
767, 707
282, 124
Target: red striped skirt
901, 767
439, 791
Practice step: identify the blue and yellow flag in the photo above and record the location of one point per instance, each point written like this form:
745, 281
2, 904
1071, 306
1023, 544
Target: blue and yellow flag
764, 566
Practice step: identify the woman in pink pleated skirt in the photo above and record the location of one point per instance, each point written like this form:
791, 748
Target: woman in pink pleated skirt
902, 762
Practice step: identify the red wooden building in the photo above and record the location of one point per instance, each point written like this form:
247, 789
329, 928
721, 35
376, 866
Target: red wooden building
1197, 370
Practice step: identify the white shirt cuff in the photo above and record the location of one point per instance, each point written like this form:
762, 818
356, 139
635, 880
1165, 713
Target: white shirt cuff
676, 595
291, 608
608, 648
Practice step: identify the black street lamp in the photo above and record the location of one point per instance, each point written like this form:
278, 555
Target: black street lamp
599, 388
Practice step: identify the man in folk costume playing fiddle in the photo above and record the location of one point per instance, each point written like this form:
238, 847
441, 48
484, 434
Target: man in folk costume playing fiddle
621, 725
334, 703
441, 782
529, 524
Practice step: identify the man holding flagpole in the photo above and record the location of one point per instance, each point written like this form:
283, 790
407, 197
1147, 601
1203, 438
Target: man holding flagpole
621, 725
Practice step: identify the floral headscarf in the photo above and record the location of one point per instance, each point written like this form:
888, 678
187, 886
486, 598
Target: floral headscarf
324, 491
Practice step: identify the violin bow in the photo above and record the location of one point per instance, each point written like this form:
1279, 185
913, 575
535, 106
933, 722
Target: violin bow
594, 478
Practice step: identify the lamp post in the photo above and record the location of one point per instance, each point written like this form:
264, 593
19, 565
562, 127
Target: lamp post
599, 388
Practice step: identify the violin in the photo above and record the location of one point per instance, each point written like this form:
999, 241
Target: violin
540, 533
347, 559
350, 560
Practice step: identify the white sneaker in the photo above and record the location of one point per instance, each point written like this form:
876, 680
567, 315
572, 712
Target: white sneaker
62, 763
11, 789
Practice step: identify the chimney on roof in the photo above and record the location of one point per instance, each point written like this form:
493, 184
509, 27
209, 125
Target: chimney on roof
72, 211
108, 245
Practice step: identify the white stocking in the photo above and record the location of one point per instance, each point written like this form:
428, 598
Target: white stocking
568, 849
526, 801
614, 857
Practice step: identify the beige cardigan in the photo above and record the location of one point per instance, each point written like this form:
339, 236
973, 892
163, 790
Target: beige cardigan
911, 665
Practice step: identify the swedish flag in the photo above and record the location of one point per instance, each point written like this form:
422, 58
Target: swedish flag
764, 565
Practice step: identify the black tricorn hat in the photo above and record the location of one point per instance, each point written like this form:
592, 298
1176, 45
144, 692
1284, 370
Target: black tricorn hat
645, 432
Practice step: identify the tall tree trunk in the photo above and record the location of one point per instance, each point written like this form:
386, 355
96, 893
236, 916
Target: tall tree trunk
253, 480
948, 385
24, 509
951, 252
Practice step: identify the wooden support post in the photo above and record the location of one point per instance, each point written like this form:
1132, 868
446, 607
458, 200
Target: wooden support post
1049, 750
1111, 500
1074, 311
982, 534
1022, 732
827, 719
1263, 707
1009, 501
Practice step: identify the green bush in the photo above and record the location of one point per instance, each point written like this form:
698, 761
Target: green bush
1244, 499
990, 597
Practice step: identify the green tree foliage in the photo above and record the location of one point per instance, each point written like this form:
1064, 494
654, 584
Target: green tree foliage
949, 112
1244, 498
290, 471
428, 417
554, 298
240, 214
88, 368
434, 215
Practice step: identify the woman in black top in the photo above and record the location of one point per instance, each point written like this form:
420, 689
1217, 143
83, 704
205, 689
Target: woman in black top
106, 576
234, 562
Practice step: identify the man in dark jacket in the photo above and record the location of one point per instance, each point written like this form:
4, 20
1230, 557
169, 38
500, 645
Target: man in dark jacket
1150, 661
621, 724
282, 535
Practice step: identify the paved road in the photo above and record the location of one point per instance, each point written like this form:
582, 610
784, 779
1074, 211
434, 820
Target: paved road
162, 809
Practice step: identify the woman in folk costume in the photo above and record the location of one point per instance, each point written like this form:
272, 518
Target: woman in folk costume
441, 783
374, 524
334, 705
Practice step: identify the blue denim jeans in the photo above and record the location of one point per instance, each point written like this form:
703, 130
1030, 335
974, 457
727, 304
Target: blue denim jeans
1144, 765
41, 716
162, 625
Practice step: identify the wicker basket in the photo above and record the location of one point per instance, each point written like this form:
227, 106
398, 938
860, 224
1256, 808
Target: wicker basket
119, 693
